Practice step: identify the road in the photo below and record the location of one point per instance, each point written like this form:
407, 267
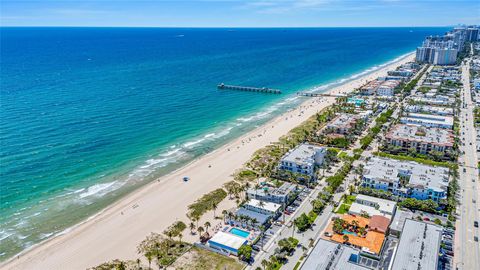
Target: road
467, 253
286, 231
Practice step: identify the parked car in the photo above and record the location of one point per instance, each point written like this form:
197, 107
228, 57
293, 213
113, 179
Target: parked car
475, 223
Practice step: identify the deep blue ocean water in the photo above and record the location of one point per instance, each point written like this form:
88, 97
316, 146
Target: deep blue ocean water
89, 114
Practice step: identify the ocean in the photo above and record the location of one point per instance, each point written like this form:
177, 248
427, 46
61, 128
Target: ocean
90, 114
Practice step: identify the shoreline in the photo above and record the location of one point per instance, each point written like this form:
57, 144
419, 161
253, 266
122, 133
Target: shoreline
115, 231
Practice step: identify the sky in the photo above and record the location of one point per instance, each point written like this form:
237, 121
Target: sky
239, 13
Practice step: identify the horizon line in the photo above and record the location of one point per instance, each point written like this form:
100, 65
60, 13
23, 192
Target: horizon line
223, 27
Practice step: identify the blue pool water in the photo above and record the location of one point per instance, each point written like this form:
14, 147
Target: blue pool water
239, 232
90, 114
347, 232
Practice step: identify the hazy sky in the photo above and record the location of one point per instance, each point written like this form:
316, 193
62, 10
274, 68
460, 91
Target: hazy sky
239, 13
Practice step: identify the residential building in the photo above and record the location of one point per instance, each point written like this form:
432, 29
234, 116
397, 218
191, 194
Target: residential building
333, 256
387, 88
423, 140
428, 120
428, 109
260, 218
406, 178
342, 124
372, 206
433, 101
445, 56
303, 159
267, 208
278, 195
419, 246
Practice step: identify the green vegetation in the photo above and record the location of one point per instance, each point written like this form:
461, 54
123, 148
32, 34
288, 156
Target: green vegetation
424, 89
233, 188
379, 122
419, 160
345, 206
245, 175
424, 205
205, 203
409, 86
199, 258
288, 244
163, 251
304, 221
343, 209
245, 253
377, 193
119, 265
175, 230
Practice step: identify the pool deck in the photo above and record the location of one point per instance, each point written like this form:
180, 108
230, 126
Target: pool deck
252, 233
373, 240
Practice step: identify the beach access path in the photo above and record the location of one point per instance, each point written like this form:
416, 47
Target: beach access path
115, 232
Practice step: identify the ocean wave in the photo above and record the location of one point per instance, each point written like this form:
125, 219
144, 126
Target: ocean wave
100, 189
356, 75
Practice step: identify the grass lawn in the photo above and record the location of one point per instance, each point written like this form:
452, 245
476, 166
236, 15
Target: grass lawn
349, 199
343, 209
198, 258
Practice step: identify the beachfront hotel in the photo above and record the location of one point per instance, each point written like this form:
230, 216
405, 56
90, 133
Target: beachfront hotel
303, 159
226, 243
406, 178
423, 140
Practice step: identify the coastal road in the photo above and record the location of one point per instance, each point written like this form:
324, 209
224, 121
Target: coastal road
467, 252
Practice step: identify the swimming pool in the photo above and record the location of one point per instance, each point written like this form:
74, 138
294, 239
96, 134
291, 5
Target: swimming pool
239, 232
347, 232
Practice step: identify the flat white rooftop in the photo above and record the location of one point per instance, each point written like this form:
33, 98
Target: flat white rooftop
419, 246
382, 207
228, 240
304, 153
269, 206
420, 175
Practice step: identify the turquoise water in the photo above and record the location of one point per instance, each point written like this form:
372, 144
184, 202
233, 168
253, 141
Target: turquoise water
239, 232
89, 114
347, 232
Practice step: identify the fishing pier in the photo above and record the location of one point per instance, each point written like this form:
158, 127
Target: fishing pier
266, 90
307, 94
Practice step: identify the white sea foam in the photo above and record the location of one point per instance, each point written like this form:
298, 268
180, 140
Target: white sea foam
100, 189
192, 143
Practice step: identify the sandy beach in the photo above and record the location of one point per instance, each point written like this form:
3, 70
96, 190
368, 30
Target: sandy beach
115, 232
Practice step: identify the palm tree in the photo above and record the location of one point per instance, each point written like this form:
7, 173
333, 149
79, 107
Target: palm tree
261, 203
149, 257
224, 213
192, 227
254, 222
214, 207
200, 230
265, 264
207, 225
345, 238
158, 260
180, 235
